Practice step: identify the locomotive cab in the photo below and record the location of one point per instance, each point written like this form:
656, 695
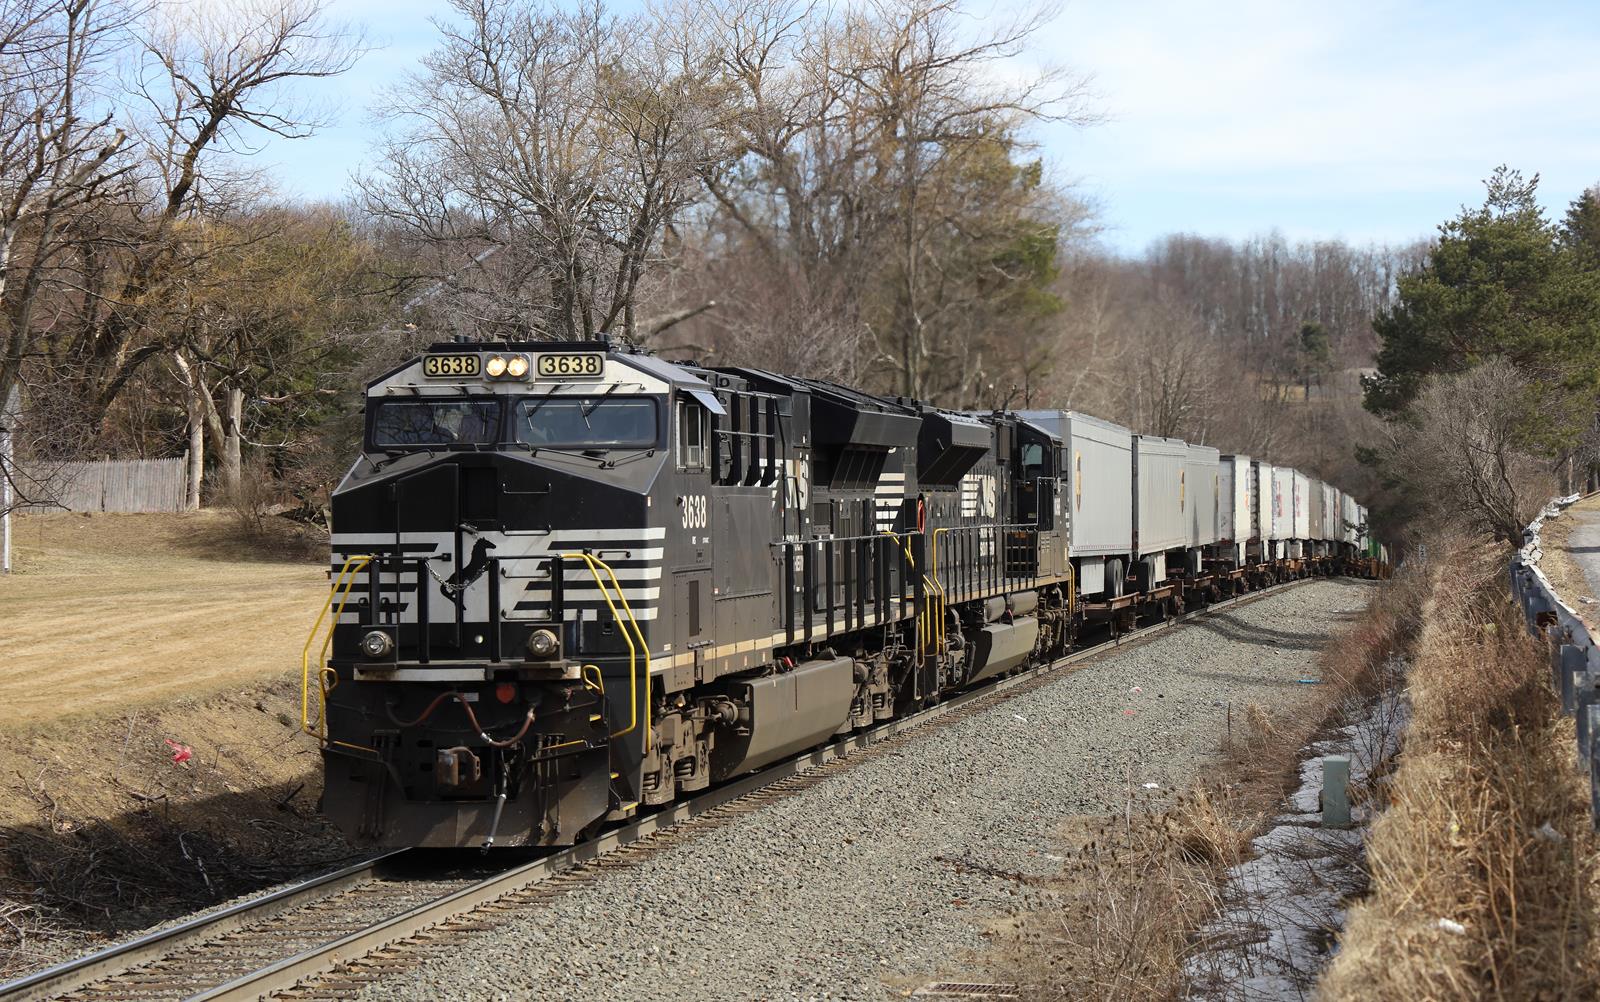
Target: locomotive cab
501, 542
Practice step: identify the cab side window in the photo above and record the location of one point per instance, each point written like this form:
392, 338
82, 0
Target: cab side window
693, 435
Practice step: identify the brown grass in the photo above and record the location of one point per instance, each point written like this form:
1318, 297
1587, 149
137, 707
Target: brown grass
1483, 869
109, 612
1135, 889
102, 831
1126, 898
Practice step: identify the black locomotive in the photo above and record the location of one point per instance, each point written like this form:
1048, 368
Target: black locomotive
576, 580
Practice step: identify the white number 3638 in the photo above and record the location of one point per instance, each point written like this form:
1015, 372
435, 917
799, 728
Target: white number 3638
693, 510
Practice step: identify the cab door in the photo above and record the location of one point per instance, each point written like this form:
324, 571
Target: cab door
690, 558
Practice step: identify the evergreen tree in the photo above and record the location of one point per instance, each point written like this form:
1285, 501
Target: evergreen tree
1316, 354
1502, 282
1580, 231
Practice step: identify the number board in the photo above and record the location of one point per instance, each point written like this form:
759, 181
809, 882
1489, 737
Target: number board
451, 365
571, 364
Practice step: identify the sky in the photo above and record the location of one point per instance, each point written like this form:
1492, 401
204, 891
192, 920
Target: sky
1363, 120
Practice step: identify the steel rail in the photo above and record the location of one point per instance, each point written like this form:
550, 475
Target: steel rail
118, 958
287, 973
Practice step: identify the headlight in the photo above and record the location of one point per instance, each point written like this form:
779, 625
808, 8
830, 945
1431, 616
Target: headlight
377, 644
495, 367
543, 644
517, 366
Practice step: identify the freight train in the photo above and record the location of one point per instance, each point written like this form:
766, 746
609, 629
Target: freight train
575, 581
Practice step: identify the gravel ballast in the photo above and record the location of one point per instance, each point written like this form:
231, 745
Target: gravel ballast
885, 874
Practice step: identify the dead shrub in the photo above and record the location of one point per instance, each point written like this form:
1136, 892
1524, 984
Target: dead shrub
252, 500
1119, 919
259, 504
1258, 721
1206, 829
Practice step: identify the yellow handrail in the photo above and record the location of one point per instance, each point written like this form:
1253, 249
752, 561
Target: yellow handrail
929, 630
598, 685
944, 596
340, 590
906, 546
596, 565
935, 630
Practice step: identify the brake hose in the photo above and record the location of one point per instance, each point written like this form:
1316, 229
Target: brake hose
472, 718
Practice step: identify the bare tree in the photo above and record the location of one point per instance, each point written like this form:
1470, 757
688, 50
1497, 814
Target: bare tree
269, 305
1464, 452
55, 154
880, 168
210, 85
1173, 382
540, 158
58, 161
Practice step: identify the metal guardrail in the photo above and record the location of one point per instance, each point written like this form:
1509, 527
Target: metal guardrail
1574, 658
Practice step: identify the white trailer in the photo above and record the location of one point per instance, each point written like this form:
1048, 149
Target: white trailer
1282, 511
1099, 486
1235, 518
1201, 495
1261, 509
1301, 494
1158, 474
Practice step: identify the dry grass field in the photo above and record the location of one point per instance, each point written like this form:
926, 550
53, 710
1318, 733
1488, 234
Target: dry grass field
111, 612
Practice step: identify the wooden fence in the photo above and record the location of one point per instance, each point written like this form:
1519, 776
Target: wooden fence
121, 485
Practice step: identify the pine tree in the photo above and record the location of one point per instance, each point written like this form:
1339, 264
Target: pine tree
1502, 282
1580, 231
1316, 354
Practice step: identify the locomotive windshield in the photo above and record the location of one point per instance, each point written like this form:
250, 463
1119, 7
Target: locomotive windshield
405, 423
586, 422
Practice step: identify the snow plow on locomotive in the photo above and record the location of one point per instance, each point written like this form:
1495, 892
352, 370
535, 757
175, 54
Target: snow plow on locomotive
575, 581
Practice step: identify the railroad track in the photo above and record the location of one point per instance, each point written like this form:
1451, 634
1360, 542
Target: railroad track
328, 937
